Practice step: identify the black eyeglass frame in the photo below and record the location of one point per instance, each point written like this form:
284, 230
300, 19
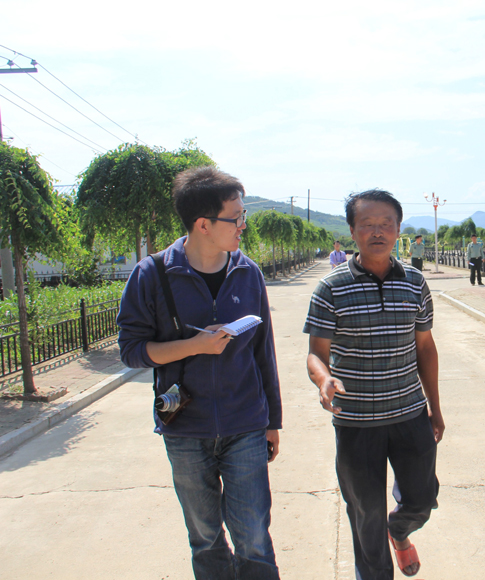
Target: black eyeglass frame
234, 221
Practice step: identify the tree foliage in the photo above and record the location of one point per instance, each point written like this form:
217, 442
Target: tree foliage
125, 195
29, 211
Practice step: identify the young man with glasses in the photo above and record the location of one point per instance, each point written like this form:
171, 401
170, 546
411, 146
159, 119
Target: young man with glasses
220, 444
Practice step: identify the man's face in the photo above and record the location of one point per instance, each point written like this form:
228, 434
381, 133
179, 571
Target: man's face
337, 246
226, 236
419, 240
376, 228
474, 239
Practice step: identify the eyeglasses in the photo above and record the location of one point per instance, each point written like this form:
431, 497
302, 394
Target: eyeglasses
238, 222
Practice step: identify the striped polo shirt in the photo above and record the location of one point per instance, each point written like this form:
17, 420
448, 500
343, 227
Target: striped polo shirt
373, 352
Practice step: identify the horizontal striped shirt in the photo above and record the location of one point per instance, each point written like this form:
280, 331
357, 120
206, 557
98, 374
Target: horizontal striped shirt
372, 326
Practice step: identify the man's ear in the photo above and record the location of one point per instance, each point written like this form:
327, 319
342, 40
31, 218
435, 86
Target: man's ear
201, 226
352, 232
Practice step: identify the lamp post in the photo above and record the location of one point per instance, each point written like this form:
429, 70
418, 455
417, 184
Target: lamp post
436, 202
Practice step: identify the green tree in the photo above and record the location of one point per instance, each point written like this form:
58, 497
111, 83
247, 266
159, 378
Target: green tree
469, 228
268, 223
29, 223
297, 223
409, 230
125, 195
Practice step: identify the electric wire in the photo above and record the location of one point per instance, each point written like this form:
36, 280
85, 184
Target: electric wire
95, 108
36, 153
50, 125
50, 117
74, 92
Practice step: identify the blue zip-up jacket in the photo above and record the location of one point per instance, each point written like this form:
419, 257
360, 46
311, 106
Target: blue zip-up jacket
234, 392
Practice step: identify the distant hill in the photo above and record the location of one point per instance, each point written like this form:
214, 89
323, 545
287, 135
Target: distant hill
427, 222
331, 223
479, 218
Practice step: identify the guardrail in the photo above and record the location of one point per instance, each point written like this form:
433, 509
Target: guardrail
455, 258
92, 324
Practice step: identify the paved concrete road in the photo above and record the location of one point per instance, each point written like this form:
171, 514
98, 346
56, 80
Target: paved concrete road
92, 498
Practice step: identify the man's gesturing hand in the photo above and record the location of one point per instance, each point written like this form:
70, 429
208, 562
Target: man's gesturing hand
328, 389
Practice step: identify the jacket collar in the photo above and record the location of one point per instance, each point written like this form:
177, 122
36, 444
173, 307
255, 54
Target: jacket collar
176, 259
357, 270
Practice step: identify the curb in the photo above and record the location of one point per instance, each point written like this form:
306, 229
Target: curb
12, 440
480, 316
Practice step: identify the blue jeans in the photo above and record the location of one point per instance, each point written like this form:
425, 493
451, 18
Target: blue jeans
242, 502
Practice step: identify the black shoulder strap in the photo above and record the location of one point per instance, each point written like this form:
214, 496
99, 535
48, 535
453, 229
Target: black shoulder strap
167, 291
172, 310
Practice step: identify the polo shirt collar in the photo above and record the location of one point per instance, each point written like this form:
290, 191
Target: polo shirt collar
357, 270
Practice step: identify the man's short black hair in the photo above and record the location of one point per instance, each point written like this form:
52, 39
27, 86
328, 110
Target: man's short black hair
370, 195
474, 235
336, 242
202, 191
418, 236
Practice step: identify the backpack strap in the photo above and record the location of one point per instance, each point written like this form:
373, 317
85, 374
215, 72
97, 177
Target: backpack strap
172, 310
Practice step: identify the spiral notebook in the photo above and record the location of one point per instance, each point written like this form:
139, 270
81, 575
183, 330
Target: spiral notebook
241, 325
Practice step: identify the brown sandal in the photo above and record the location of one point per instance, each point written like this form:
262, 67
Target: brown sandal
405, 557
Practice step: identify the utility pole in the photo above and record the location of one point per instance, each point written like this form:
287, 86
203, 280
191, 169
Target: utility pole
308, 218
8, 278
436, 202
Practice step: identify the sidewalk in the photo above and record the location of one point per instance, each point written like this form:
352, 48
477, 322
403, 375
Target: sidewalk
91, 376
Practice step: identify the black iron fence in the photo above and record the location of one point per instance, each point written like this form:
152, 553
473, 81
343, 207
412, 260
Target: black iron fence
455, 258
79, 329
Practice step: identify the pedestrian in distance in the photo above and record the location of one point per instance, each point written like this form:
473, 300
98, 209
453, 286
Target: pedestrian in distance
416, 251
372, 355
474, 255
219, 445
337, 257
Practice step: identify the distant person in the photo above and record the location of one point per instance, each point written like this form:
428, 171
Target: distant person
416, 251
474, 255
337, 257
220, 444
373, 358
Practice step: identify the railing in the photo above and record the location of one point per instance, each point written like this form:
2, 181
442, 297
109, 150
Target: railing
49, 342
455, 258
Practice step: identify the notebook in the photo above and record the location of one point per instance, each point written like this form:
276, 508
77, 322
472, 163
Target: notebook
241, 325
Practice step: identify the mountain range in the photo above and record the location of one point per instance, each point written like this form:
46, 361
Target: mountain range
337, 223
427, 222
331, 223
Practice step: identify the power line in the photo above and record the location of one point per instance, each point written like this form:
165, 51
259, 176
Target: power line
53, 126
77, 95
36, 153
50, 117
87, 102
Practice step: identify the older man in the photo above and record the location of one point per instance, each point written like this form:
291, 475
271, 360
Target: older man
371, 356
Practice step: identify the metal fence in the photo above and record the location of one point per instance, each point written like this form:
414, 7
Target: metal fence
85, 326
455, 258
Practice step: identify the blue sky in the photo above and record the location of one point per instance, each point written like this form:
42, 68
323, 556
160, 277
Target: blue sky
287, 96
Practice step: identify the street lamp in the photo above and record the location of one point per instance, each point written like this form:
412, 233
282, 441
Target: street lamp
436, 202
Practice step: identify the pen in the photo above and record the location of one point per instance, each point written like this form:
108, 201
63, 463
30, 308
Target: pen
199, 329
204, 330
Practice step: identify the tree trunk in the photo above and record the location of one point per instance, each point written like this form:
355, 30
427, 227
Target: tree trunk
282, 260
150, 247
138, 244
274, 261
25, 358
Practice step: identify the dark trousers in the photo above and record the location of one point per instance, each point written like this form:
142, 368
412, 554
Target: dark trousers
477, 267
362, 455
417, 263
